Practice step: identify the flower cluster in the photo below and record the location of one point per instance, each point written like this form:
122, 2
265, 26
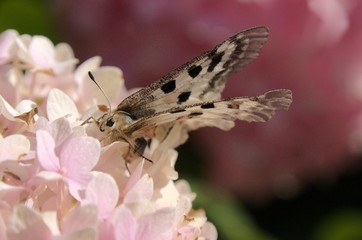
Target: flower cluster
57, 180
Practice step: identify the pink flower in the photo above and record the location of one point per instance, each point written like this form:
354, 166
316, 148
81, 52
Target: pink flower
26, 223
103, 192
7, 41
18, 144
58, 179
156, 225
40, 54
72, 159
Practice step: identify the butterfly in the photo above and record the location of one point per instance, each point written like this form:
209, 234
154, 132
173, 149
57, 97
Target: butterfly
192, 93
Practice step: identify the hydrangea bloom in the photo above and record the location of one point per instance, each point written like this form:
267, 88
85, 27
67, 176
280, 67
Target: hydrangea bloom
57, 178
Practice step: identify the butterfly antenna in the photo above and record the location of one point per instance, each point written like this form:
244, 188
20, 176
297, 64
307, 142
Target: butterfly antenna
104, 94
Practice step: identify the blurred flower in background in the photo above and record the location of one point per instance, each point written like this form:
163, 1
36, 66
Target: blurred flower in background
313, 49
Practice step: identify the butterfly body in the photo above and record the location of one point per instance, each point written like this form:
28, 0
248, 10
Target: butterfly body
192, 93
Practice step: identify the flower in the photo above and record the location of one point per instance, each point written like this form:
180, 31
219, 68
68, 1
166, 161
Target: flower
58, 179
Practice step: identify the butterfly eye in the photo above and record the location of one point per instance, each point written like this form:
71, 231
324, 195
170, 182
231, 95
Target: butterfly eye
110, 122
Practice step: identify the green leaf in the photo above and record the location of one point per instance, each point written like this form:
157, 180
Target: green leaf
231, 221
342, 225
26, 16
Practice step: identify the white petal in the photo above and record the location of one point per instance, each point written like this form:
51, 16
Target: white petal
157, 225
136, 175
7, 39
208, 231
64, 52
60, 130
103, 191
111, 81
8, 111
26, 223
142, 191
80, 218
125, 225
89, 65
13, 147
25, 106
50, 176
50, 219
41, 50
45, 150
60, 105
2, 229
86, 233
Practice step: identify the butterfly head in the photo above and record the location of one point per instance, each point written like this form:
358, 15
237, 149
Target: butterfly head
114, 121
106, 122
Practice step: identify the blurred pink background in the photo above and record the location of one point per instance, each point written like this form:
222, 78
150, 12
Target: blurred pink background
314, 49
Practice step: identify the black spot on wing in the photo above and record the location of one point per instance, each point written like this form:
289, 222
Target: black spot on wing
194, 71
169, 86
183, 97
215, 60
233, 106
207, 105
178, 111
195, 114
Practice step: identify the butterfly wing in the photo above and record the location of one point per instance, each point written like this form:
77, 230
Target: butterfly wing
218, 113
201, 79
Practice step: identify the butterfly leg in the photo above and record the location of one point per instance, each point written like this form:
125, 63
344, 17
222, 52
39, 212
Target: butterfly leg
88, 120
136, 151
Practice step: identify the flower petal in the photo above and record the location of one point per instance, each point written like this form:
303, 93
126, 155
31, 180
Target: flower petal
111, 81
135, 177
142, 191
7, 40
208, 231
79, 155
157, 225
8, 111
60, 130
89, 65
103, 191
49, 176
125, 225
41, 50
46, 151
80, 218
13, 147
9, 193
60, 105
86, 233
26, 223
